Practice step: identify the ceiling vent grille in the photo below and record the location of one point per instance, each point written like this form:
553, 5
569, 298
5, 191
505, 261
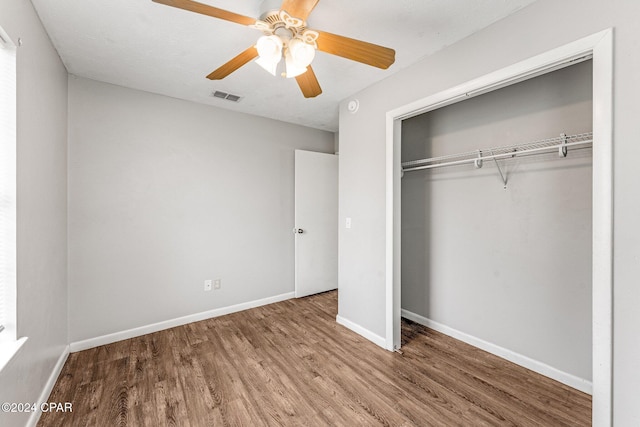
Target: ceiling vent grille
227, 96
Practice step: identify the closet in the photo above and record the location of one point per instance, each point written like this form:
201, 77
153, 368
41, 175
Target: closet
497, 221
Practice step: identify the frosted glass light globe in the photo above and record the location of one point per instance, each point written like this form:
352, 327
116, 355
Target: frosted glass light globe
301, 53
270, 48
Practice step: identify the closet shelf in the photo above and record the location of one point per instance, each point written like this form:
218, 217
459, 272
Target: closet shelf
560, 143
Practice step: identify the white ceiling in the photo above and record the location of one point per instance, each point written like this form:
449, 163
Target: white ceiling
160, 49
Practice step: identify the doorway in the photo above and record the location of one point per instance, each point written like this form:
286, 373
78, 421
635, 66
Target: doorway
599, 47
496, 252
316, 222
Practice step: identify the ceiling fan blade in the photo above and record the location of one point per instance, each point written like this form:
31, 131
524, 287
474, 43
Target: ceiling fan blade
356, 50
299, 8
309, 84
234, 64
205, 9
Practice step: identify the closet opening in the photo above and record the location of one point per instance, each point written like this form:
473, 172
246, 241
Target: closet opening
496, 222
509, 266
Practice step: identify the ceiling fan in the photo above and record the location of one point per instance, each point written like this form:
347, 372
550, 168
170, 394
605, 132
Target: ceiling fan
287, 36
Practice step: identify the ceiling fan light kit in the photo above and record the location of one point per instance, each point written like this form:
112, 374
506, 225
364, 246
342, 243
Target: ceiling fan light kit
269, 51
286, 36
301, 54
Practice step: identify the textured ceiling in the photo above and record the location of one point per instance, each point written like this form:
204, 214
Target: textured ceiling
160, 49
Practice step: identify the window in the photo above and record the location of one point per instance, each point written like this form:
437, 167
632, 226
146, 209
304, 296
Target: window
7, 188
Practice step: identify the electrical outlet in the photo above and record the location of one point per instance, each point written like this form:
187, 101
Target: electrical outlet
217, 284
207, 285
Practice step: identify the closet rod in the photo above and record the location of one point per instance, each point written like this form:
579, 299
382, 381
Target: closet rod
546, 145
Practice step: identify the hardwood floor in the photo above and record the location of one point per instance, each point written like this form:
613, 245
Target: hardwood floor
290, 363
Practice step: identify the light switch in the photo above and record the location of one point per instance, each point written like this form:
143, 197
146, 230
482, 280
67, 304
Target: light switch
347, 223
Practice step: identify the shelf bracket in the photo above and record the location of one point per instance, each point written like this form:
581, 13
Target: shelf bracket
478, 162
502, 175
562, 149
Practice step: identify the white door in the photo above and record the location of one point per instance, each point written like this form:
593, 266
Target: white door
316, 221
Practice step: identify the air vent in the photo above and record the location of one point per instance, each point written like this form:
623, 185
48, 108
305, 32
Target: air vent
227, 96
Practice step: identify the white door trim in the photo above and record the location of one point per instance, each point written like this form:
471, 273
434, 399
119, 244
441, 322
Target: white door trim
599, 46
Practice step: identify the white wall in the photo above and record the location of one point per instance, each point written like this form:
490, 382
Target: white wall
542, 26
41, 209
509, 266
164, 194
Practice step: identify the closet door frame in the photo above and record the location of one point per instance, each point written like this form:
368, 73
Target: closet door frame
599, 48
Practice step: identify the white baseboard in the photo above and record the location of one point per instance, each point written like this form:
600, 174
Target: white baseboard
376, 339
172, 323
534, 365
48, 387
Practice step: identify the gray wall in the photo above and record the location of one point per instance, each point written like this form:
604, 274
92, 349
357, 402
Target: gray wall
164, 194
544, 25
42, 208
511, 267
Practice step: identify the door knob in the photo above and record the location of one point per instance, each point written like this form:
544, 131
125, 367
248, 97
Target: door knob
299, 231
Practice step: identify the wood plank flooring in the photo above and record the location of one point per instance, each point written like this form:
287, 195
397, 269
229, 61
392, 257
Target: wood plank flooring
290, 363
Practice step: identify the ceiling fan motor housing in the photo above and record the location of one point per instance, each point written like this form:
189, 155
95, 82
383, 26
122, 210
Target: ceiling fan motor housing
269, 6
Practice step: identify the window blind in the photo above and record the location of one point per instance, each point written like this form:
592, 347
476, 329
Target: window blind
7, 185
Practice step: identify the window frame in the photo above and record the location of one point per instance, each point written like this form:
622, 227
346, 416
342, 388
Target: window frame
8, 142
